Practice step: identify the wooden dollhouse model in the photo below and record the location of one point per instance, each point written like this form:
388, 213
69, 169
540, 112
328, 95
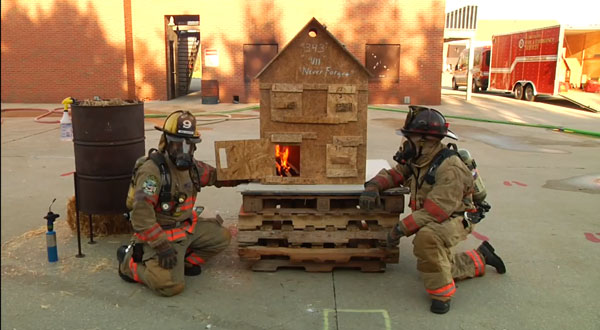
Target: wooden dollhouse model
313, 117
310, 161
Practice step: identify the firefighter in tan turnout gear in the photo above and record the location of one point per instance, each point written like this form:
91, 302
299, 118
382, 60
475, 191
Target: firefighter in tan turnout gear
441, 200
170, 240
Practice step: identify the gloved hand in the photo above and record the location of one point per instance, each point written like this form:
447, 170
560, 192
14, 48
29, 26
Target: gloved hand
393, 237
369, 199
167, 256
483, 206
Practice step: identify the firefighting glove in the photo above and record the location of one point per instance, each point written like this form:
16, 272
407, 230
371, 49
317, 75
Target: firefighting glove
167, 256
370, 199
483, 206
393, 237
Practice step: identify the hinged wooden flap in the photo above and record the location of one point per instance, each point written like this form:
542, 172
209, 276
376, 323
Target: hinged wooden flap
286, 138
342, 89
244, 159
348, 141
281, 87
341, 161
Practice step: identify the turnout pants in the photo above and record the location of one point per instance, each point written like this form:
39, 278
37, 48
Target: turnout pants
436, 262
207, 239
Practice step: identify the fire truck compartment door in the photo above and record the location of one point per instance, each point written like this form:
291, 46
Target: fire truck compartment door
244, 159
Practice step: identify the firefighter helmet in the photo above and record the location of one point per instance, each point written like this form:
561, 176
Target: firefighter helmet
181, 124
426, 121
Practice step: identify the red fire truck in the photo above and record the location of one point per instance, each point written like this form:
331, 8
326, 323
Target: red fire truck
557, 60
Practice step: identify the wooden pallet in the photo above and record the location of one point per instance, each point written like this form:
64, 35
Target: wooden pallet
272, 265
329, 235
318, 255
254, 221
318, 230
314, 203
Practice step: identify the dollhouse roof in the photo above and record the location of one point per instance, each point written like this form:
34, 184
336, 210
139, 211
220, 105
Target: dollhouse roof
314, 24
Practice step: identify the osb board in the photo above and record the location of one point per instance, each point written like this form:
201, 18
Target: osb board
314, 58
342, 102
315, 139
286, 138
286, 101
244, 159
291, 104
341, 162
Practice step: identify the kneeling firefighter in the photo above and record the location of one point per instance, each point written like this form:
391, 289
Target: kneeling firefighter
170, 240
443, 211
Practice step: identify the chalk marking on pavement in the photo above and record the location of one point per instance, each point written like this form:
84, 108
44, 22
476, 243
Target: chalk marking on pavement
590, 237
386, 315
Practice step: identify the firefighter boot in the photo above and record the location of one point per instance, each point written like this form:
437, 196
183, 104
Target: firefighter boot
192, 270
439, 307
121, 252
492, 259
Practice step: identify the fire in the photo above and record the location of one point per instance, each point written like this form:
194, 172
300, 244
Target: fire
281, 159
284, 167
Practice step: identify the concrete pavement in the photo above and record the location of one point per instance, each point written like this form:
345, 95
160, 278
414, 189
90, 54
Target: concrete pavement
543, 186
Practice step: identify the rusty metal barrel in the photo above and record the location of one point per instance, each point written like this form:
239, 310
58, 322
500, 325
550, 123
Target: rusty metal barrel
107, 142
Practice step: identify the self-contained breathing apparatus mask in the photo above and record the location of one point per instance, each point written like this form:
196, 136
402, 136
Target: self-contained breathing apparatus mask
181, 135
420, 125
411, 150
181, 151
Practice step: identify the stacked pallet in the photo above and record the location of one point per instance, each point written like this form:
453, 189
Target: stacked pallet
316, 227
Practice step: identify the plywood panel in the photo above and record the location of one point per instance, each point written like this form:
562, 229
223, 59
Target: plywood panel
341, 161
342, 102
331, 116
244, 159
304, 135
348, 141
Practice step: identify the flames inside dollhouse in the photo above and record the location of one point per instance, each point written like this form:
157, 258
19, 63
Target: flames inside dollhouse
287, 160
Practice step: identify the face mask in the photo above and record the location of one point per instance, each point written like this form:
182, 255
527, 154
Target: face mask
181, 152
409, 151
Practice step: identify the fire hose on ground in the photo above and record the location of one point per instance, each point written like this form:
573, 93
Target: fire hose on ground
226, 115
552, 127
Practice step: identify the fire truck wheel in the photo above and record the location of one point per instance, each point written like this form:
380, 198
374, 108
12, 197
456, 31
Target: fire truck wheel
454, 85
528, 95
519, 92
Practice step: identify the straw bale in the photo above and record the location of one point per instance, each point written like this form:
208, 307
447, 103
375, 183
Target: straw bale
103, 224
105, 103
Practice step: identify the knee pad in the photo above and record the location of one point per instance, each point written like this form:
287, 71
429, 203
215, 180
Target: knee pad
172, 290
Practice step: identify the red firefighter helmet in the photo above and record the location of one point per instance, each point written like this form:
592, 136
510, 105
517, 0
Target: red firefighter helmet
426, 121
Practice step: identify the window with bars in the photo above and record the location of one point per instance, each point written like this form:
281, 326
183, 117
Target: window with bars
256, 56
383, 61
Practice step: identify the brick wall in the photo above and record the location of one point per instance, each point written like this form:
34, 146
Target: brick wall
118, 48
51, 50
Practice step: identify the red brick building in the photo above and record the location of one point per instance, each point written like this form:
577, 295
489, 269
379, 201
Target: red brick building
132, 49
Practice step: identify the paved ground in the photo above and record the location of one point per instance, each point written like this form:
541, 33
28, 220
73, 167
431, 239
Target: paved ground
543, 186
